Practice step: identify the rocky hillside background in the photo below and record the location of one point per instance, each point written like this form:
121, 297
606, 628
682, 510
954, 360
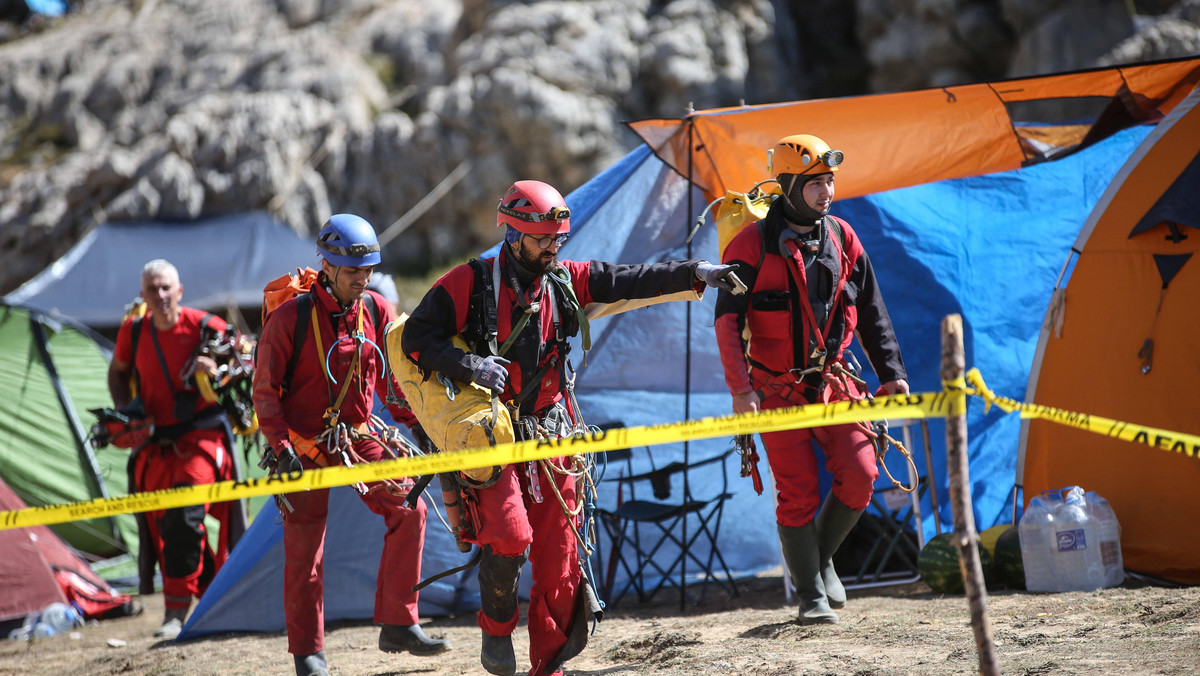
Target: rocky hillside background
176, 109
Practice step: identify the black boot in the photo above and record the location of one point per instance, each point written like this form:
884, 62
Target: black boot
804, 562
311, 665
496, 655
399, 638
834, 522
498, 580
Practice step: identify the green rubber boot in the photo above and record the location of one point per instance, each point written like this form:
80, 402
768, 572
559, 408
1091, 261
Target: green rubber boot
804, 562
834, 523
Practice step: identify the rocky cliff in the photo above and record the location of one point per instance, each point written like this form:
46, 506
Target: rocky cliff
171, 110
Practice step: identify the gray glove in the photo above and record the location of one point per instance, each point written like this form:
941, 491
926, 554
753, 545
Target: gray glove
717, 276
491, 374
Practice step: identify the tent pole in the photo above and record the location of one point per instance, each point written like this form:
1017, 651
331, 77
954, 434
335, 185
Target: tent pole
68, 407
64, 399
687, 372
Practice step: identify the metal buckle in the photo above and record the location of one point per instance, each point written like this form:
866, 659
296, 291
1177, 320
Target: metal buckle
799, 374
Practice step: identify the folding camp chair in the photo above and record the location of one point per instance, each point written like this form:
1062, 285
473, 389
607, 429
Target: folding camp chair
656, 542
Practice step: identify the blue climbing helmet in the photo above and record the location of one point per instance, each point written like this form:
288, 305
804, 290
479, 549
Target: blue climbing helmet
349, 241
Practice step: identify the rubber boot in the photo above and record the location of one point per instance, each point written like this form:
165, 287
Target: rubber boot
311, 665
804, 562
399, 638
497, 656
498, 580
834, 522
172, 624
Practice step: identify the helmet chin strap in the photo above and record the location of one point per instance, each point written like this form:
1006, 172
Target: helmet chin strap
803, 215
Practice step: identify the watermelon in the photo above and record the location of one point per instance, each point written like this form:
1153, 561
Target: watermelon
988, 538
1009, 568
938, 565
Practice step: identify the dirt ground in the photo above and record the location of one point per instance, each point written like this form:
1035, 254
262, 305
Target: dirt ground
1132, 629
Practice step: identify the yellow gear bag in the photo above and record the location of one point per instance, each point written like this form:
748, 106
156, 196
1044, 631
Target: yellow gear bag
736, 210
453, 424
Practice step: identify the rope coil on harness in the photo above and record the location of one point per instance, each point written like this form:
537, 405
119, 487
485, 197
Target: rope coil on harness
838, 377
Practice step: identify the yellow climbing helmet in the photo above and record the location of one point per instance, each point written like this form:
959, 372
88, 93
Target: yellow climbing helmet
802, 154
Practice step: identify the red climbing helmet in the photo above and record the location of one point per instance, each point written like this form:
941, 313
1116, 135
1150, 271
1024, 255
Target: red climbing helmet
534, 208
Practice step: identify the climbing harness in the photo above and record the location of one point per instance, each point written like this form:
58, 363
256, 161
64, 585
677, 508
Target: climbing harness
838, 377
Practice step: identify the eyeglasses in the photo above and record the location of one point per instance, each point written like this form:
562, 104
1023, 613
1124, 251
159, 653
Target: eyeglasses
545, 242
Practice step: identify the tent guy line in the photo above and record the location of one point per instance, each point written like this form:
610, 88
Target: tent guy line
901, 406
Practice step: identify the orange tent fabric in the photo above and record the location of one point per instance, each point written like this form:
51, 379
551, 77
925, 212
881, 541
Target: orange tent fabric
1134, 280
902, 139
909, 138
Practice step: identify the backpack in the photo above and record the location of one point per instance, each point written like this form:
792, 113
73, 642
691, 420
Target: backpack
297, 285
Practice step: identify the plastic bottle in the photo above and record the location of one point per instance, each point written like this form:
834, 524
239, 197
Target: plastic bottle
56, 618
1109, 539
1077, 553
1036, 531
60, 618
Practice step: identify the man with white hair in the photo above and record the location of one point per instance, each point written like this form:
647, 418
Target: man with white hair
156, 358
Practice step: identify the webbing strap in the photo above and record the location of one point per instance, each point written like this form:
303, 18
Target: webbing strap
562, 277
336, 405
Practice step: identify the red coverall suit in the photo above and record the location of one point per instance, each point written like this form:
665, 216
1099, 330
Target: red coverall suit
783, 305
301, 411
519, 511
197, 456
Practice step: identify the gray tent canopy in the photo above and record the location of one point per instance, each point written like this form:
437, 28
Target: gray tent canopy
223, 262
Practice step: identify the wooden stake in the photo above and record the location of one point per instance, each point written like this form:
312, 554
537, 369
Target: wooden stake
965, 536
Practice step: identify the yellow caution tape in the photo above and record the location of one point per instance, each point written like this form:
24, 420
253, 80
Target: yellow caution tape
1151, 437
813, 415
951, 401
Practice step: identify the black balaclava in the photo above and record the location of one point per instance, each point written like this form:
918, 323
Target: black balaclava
795, 209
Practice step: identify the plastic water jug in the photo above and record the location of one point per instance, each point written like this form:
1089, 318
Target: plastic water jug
1070, 541
1036, 534
60, 618
1076, 555
1109, 539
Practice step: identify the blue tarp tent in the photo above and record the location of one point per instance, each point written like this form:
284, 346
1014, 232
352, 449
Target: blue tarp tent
247, 594
989, 248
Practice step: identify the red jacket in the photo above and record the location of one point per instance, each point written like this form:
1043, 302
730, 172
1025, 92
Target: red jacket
845, 299
302, 408
178, 345
447, 308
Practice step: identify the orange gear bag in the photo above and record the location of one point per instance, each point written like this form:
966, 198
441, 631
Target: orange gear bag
287, 286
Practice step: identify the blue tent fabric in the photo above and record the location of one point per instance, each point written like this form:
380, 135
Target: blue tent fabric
222, 261
247, 593
989, 248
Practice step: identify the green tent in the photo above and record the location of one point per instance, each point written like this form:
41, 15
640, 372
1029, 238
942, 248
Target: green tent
53, 370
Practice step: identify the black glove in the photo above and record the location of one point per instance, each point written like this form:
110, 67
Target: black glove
491, 374
423, 441
283, 462
717, 276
